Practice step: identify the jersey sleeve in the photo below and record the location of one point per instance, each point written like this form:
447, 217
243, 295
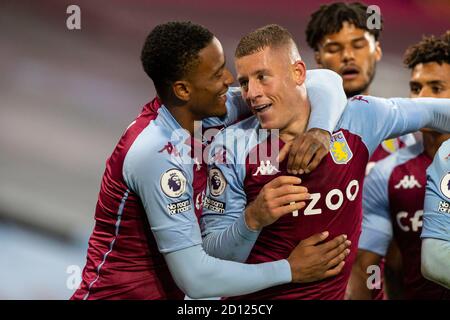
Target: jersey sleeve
376, 234
225, 233
163, 183
327, 98
436, 217
376, 119
203, 276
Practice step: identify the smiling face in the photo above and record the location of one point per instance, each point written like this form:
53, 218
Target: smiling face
353, 53
269, 82
209, 82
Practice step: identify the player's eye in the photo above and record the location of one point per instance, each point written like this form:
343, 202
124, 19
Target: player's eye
415, 89
359, 44
219, 74
334, 48
244, 84
262, 77
436, 89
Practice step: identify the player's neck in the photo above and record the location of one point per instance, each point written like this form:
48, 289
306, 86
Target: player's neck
297, 125
432, 140
363, 93
184, 118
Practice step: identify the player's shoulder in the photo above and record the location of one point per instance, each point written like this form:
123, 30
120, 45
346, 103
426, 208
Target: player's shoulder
157, 147
240, 131
358, 109
441, 163
443, 155
384, 168
249, 123
234, 142
364, 103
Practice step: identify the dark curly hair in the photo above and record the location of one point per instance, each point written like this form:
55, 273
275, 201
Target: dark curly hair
330, 18
430, 49
170, 52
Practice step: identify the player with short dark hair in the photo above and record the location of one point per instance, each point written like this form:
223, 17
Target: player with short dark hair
394, 191
342, 42
146, 243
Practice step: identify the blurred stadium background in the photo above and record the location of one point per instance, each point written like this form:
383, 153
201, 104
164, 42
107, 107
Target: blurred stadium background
67, 96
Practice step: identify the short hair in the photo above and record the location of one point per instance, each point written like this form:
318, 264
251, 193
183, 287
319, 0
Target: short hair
171, 51
331, 17
429, 49
271, 35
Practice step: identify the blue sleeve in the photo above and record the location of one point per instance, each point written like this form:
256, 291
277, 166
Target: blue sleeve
327, 98
436, 217
165, 190
225, 233
376, 234
376, 119
202, 276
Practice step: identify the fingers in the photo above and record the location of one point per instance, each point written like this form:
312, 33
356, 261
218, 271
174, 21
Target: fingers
309, 152
300, 156
288, 189
284, 152
314, 239
330, 245
282, 180
335, 271
296, 156
293, 197
319, 155
337, 259
289, 208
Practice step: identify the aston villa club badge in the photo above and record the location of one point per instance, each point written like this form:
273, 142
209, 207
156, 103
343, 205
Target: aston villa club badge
340, 150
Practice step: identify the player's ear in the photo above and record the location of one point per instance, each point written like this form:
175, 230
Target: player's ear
182, 90
317, 58
378, 51
299, 71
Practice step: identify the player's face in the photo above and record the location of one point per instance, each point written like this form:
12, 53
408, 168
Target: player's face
430, 80
210, 81
268, 85
353, 53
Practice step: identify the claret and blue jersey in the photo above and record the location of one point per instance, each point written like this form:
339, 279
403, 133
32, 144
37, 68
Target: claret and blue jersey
335, 186
393, 203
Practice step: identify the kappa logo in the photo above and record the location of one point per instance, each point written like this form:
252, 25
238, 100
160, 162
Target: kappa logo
170, 148
445, 185
340, 150
266, 168
217, 182
408, 182
173, 183
359, 98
